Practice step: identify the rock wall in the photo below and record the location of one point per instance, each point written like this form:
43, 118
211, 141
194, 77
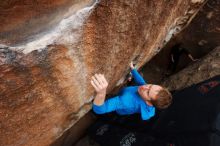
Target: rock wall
203, 34
199, 37
207, 67
50, 49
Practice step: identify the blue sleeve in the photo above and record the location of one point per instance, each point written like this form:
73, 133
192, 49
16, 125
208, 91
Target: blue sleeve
108, 106
138, 79
146, 114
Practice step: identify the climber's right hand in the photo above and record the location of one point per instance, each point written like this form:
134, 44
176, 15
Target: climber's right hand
99, 83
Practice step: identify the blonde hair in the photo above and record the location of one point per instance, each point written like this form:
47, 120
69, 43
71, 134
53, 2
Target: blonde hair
163, 100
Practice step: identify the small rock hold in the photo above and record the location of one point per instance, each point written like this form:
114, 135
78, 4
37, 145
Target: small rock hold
209, 15
197, 1
202, 42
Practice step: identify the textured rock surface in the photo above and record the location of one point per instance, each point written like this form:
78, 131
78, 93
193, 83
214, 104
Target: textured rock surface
21, 20
200, 37
203, 33
208, 67
45, 66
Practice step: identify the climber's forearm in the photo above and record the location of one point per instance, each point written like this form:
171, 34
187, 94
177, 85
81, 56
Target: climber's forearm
99, 98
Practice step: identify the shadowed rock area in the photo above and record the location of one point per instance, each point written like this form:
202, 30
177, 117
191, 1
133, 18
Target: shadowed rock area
208, 67
50, 49
199, 37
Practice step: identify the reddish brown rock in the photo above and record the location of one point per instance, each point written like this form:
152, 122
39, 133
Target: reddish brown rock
50, 50
21, 20
199, 37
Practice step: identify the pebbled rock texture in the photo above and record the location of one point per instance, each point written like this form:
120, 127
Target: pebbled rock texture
50, 49
199, 37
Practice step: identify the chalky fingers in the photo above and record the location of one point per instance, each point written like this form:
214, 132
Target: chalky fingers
96, 82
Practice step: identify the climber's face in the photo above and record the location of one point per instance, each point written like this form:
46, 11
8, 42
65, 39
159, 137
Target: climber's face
149, 92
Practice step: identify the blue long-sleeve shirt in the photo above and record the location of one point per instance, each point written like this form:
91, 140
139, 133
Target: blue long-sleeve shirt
128, 101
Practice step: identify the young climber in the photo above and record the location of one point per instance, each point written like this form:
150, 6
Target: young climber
143, 98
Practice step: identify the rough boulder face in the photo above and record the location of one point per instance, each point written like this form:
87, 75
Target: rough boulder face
206, 68
50, 49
